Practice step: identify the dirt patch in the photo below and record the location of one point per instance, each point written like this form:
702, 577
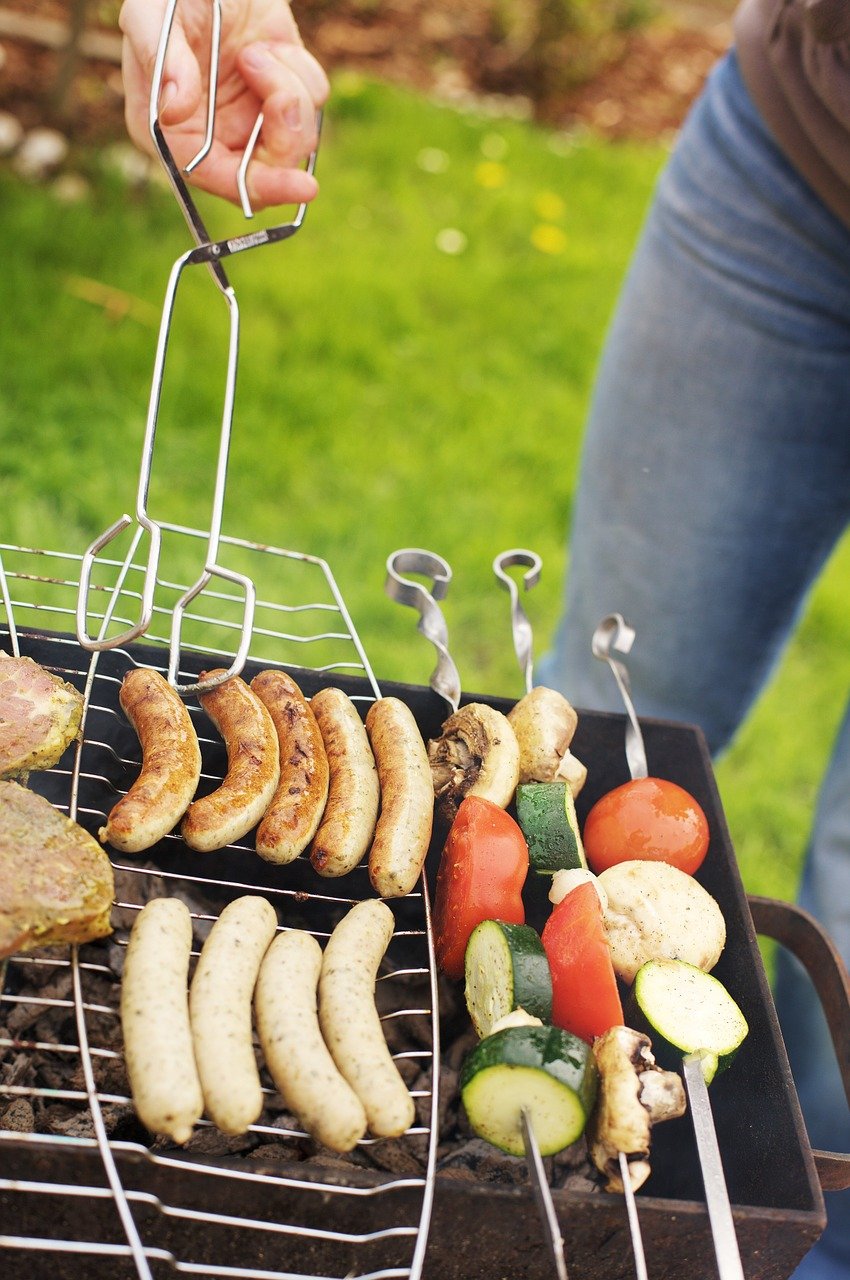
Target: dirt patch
642, 89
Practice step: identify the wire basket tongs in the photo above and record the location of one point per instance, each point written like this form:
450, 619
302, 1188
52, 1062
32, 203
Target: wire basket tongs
211, 253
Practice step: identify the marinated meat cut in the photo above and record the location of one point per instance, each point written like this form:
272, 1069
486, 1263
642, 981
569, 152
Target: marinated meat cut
56, 882
39, 716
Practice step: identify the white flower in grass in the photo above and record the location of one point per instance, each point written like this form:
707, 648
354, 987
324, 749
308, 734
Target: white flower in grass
451, 240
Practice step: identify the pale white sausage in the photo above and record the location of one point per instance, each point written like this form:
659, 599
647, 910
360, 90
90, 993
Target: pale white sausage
220, 1008
295, 1053
349, 1018
155, 1020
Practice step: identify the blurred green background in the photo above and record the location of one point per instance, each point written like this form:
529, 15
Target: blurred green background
415, 371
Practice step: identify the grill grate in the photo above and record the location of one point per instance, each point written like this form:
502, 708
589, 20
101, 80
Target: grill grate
258, 1207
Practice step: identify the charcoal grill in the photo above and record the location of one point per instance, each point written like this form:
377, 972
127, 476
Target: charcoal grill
64, 1197
85, 1193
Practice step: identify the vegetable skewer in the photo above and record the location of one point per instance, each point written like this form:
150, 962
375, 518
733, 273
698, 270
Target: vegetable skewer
545, 722
614, 633
445, 681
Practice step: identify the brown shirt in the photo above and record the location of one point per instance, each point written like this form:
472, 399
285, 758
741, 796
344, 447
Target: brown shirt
795, 60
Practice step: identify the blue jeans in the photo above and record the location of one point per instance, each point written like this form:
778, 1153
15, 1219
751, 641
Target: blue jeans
715, 481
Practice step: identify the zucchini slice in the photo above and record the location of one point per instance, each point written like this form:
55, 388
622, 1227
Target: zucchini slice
687, 1011
506, 969
546, 812
548, 1071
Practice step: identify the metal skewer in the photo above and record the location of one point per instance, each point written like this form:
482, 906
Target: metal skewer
634, 1220
613, 632
714, 1182
520, 625
445, 678
543, 1196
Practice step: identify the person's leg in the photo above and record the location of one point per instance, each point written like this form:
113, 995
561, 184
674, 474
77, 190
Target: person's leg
716, 466
715, 481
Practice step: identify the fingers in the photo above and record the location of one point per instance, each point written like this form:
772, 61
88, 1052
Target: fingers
291, 87
268, 184
274, 75
141, 21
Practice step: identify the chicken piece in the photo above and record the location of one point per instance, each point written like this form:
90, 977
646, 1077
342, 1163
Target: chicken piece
56, 883
544, 723
656, 912
39, 716
634, 1094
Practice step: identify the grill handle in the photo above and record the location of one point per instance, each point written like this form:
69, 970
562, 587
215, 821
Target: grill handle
802, 935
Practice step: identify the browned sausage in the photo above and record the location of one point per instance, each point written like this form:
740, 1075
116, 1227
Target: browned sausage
253, 769
299, 802
354, 792
171, 764
404, 825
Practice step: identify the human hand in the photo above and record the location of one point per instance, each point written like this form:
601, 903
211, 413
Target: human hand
263, 66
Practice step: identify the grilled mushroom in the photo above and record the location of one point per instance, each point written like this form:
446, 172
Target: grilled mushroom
544, 723
634, 1094
476, 754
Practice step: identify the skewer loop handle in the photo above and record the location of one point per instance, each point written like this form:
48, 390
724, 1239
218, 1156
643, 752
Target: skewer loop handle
445, 678
613, 632
520, 625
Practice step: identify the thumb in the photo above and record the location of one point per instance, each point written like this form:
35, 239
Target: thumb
141, 22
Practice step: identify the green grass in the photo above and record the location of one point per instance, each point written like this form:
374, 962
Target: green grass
390, 394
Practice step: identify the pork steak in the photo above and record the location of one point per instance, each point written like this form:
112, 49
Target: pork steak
56, 882
39, 716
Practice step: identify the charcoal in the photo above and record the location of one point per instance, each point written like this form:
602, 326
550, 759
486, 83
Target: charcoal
16, 1071
18, 1116
208, 1141
486, 1163
396, 1157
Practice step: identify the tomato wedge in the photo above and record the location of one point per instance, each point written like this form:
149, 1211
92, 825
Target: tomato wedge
482, 871
650, 819
585, 997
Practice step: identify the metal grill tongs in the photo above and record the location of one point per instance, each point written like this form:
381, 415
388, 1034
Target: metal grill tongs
187, 1212
211, 253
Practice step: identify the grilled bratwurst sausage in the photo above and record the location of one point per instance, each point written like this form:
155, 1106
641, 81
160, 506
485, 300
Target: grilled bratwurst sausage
253, 767
299, 802
220, 1010
171, 764
155, 1019
404, 825
295, 1053
349, 1018
354, 794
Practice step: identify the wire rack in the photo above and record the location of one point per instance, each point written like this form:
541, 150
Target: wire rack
82, 1186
